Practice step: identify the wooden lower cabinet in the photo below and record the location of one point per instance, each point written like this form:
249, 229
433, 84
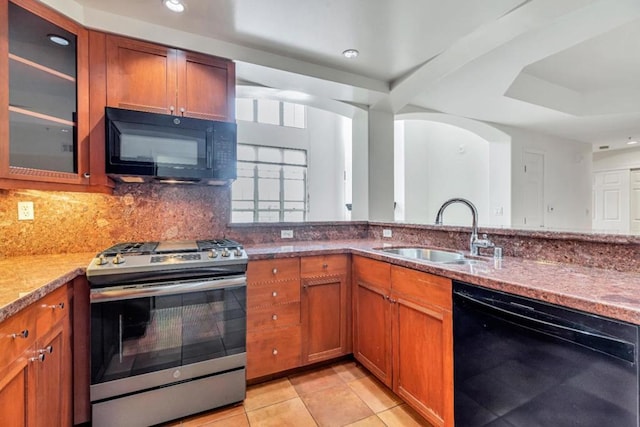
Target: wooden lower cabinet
13, 393
53, 379
273, 316
403, 333
372, 316
36, 387
325, 308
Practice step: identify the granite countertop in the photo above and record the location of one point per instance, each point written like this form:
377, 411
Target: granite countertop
26, 279
609, 293
605, 292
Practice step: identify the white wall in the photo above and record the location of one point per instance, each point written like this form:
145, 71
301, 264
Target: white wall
323, 139
616, 159
442, 161
326, 165
567, 179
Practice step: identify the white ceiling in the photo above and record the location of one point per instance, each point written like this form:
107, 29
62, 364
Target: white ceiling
569, 68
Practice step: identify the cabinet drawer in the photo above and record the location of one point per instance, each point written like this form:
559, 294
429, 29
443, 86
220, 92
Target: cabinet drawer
273, 293
372, 272
323, 265
273, 316
427, 287
273, 350
51, 309
23, 325
269, 270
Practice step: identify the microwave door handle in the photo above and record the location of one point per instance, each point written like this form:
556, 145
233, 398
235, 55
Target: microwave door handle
115, 294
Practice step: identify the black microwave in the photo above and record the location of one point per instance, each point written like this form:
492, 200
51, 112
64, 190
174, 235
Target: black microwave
151, 147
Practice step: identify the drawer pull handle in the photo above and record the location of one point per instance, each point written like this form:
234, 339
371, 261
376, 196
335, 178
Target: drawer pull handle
38, 358
275, 352
274, 317
325, 265
54, 306
275, 271
47, 349
274, 294
23, 334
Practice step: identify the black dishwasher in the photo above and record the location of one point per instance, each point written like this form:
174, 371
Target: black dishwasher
519, 362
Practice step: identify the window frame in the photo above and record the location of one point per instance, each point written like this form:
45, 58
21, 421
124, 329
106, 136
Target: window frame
281, 182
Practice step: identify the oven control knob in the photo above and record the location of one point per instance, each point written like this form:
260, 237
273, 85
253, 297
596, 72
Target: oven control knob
225, 253
118, 259
101, 260
213, 253
238, 252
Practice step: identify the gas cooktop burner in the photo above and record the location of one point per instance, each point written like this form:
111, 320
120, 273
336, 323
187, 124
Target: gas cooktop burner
146, 260
147, 248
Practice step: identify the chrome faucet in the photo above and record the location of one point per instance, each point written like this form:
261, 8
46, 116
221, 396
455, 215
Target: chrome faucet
474, 242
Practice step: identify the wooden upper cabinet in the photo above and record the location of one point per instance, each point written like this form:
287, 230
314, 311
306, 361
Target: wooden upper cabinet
140, 76
149, 77
206, 86
44, 99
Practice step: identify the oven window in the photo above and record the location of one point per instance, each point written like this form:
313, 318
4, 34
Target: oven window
138, 336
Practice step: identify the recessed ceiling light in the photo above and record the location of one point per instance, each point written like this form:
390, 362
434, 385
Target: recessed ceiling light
631, 141
59, 40
174, 5
351, 53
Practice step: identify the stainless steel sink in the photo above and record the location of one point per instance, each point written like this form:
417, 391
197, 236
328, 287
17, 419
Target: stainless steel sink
432, 255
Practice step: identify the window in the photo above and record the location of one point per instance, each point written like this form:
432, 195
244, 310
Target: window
271, 185
272, 112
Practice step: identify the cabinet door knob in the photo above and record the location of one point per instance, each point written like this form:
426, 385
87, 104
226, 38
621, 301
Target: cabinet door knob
275, 352
274, 317
172, 109
182, 110
55, 306
274, 294
39, 358
86, 175
325, 265
47, 349
21, 334
275, 271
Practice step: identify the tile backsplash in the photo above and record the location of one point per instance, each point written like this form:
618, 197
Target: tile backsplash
67, 222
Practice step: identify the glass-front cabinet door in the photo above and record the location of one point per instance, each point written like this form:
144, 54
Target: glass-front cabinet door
44, 122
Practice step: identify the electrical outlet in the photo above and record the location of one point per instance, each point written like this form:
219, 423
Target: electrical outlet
25, 211
286, 234
387, 233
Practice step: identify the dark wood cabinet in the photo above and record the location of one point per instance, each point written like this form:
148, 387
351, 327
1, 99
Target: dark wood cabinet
149, 77
324, 299
44, 90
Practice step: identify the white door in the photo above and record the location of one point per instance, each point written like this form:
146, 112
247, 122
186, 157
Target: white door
634, 201
533, 194
611, 201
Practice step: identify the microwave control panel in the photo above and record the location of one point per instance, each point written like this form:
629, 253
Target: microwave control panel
224, 151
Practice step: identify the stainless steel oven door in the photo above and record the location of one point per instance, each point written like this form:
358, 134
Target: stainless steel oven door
148, 336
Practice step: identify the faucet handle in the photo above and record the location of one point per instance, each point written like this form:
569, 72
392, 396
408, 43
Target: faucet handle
497, 252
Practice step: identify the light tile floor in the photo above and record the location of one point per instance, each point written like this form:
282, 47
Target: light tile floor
343, 394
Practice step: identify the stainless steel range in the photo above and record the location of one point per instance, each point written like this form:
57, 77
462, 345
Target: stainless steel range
168, 330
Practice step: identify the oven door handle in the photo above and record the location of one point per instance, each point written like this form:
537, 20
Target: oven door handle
151, 290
